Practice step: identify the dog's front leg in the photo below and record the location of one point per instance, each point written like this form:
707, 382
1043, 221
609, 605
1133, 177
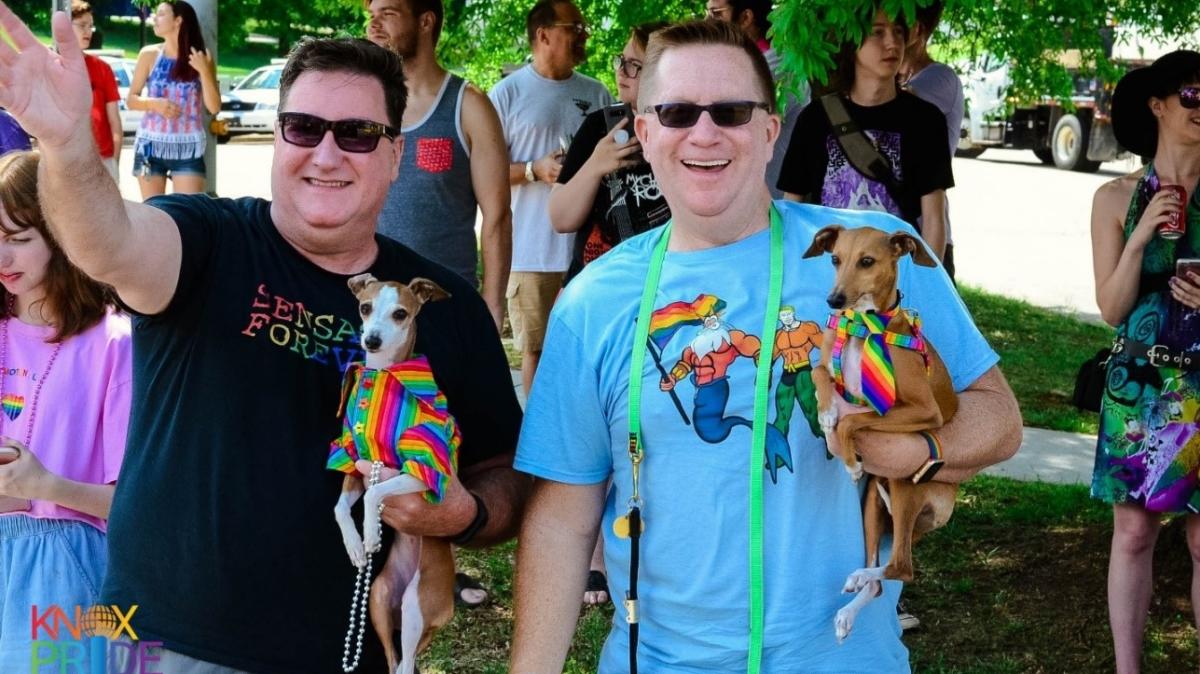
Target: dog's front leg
843, 621
352, 490
827, 411
373, 502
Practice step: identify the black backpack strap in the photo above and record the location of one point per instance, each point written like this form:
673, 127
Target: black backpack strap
859, 149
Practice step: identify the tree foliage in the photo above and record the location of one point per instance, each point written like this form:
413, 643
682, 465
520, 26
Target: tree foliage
481, 37
1042, 39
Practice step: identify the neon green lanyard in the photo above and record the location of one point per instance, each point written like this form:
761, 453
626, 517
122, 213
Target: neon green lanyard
758, 433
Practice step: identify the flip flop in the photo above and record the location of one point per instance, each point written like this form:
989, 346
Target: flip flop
597, 582
464, 582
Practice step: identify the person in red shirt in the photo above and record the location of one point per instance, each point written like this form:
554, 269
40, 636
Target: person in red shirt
106, 118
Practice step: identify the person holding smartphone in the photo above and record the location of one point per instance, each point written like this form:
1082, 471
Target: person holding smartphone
65, 376
1148, 286
606, 191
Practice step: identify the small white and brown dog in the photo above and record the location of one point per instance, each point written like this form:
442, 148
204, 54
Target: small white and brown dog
414, 590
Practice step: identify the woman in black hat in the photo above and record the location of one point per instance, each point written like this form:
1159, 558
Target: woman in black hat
1146, 455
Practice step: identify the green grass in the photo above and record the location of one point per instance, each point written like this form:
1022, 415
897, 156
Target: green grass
1015, 583
1040, 352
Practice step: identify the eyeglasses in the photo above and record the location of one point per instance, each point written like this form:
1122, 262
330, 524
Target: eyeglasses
351, 135
1189, 97
632, 68
85, 27
576, 26
725, 113
716, 12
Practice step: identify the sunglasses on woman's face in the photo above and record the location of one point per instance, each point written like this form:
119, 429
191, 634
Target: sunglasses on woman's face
351, 135
725, 113
1189, 96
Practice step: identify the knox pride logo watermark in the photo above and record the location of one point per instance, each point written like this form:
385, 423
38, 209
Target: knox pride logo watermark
88, 640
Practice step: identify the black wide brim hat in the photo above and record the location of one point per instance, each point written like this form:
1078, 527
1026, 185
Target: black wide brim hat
1133, 123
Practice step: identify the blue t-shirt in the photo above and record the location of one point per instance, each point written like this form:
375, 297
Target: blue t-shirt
694, 577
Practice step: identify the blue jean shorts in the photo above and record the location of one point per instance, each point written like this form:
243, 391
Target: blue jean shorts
45, 562
154, 167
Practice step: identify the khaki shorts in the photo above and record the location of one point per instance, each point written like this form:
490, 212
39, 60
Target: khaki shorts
530, 295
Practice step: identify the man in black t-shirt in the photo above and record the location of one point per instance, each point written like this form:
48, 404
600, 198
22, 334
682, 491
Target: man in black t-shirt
909, 132
222, 529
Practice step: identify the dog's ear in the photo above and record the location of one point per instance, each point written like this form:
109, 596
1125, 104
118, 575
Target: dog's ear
427, 291
907, 244
823, 241
357, 283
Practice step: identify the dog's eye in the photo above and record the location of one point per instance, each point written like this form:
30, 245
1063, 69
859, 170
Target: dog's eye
866, 262
837, 261
364, 309
400, 314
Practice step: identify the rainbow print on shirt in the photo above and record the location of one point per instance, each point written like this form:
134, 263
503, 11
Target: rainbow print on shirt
12, 404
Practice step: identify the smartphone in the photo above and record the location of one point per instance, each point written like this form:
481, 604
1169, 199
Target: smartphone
1186, 264
613, 115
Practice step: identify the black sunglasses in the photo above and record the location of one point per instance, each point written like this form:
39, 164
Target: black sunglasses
725, 113
351, 135
1189, 97
631, 67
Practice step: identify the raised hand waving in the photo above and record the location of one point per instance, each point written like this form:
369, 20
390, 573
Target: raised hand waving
48, 93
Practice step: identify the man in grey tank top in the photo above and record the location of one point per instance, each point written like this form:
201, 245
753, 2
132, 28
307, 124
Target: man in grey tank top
454, 157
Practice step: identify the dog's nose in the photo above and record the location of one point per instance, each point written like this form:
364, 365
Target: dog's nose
836, 300
372, 342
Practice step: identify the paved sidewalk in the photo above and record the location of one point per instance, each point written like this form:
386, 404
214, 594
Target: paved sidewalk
1047, 456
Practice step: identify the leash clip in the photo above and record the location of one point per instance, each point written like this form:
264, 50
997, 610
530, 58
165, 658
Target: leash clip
631, 611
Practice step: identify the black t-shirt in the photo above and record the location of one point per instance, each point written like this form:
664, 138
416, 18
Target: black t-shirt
222, 528
909, 132
633, 191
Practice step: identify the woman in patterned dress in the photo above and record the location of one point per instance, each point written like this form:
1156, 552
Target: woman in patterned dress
1148, 450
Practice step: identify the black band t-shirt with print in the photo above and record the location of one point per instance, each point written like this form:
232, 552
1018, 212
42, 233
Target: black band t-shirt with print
634, 189
909, 132
222, 528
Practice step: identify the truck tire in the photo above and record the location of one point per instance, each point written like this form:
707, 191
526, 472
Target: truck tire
1045, 155
1068, 145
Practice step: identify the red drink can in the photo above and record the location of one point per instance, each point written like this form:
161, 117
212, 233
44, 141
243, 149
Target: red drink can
1176, 223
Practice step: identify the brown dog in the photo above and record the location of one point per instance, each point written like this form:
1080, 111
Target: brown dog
866, 262
414, 590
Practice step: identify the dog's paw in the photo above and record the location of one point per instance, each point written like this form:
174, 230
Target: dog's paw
862, 578
356, 551
372, 538
855, 471
843, 622
828, 420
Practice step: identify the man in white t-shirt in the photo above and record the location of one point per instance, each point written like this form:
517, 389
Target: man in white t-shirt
541, 106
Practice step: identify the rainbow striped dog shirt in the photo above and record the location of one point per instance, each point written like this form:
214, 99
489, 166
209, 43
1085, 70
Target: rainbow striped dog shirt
397, 416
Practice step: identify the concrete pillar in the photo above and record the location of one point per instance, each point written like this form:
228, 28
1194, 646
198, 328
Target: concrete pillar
206, 11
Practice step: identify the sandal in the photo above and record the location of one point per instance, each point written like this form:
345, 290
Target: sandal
596, 582
464, 582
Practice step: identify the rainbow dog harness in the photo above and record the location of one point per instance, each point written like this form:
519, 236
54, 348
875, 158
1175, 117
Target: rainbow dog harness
878, 371
397, 416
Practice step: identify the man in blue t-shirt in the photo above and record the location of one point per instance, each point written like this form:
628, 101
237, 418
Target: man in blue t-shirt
697, 407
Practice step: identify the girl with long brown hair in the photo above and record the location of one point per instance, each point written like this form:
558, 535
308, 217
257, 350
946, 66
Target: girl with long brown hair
64, 407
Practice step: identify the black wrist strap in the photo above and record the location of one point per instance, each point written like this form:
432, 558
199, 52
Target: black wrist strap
480, 521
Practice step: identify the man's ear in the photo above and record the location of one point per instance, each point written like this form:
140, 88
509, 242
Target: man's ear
823, 241
745, 20
426, 290
640, 127
398, 158
357, 283
904, 243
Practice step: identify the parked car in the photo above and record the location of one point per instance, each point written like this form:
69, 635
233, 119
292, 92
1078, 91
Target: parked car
250, 106
123, 70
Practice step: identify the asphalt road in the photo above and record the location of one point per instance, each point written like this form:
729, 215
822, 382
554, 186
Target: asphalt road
1020, 228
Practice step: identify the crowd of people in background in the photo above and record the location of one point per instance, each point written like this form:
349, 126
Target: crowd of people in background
169, 369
